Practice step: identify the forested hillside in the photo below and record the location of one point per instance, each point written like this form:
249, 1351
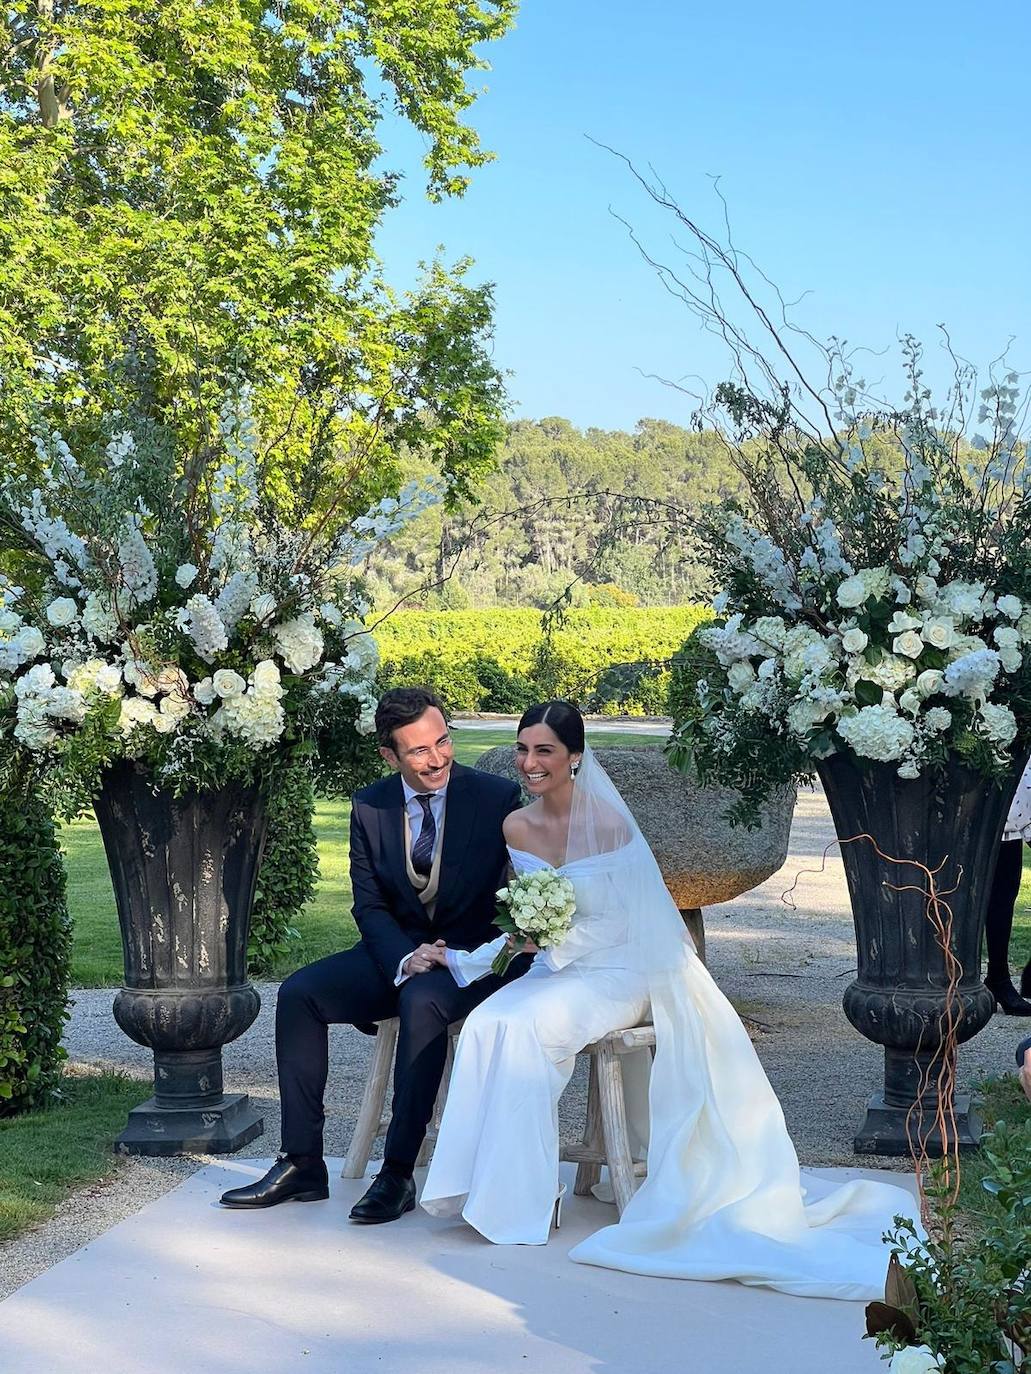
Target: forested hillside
543, 513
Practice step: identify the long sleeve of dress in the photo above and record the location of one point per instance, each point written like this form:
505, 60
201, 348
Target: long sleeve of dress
597, 932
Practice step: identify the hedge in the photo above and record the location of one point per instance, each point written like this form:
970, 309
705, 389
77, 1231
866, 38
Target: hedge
605, 659
35, 942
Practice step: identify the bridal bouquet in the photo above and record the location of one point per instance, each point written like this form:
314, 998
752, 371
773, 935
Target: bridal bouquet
191, 614
537, 906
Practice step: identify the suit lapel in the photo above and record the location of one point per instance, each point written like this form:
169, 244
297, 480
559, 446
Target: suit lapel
460, 817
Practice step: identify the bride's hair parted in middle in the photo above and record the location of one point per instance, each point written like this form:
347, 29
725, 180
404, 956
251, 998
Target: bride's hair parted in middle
560, 716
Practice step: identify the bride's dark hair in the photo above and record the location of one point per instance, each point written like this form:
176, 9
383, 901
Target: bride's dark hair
560, 716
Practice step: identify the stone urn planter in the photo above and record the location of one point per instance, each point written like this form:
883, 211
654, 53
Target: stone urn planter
703, 859
184, 873
898, 998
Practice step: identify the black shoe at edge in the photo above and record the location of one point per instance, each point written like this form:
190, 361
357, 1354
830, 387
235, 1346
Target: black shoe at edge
284, 1182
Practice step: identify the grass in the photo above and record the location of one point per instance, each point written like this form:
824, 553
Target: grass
45, 1155
1002, 1100
324, 926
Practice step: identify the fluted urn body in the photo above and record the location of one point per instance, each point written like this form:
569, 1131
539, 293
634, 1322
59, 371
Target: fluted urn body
951, 823
184, 872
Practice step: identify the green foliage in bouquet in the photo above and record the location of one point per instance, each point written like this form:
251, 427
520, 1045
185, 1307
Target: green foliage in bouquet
35, 941
964, 1294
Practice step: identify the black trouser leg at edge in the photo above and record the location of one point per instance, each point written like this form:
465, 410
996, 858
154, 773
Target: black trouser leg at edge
1001, 900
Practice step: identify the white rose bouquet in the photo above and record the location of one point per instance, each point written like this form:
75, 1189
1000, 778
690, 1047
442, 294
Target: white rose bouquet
537, 906
188, 614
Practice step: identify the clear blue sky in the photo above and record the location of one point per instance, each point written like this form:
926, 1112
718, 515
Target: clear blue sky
875, 156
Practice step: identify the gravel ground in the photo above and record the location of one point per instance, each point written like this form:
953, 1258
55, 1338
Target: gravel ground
783, 953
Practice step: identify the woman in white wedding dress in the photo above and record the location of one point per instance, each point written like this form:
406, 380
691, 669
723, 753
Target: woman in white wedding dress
723, 1197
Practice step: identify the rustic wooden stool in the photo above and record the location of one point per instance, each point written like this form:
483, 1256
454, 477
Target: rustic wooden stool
373, 1115
606, 1139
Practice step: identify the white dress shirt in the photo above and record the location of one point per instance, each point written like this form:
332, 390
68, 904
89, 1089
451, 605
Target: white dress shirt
438, 800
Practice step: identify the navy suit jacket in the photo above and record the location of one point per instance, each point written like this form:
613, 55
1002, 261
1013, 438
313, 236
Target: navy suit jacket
387, 910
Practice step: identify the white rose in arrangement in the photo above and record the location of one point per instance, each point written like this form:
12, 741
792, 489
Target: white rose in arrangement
163, 722
30, 642
901, 622
910, 644
266, 677
175, 706
939, 632
172, 679
141, 676
910, 701
62, 611
83, 676
1009, 606
228, 684
135, 711
740, 675
854, 641
109, 680
204, 691
926, 588
767, 669
264, 606
929, 682
877, 732
185, 574
915, 1359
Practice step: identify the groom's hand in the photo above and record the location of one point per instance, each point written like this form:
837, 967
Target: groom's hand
426, 957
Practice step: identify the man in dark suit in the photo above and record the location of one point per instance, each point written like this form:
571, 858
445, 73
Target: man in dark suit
427, 856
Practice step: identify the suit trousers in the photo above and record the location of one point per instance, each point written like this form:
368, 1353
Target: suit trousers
350, 987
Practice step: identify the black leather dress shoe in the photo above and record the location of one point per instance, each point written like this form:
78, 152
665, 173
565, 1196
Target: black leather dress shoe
284, 1182
388, 1198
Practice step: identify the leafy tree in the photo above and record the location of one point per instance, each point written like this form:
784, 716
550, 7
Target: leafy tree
199, 183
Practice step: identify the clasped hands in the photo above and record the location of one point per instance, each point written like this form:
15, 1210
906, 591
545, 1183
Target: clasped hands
426, 957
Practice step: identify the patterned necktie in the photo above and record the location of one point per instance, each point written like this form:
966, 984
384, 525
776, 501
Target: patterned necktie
422, 849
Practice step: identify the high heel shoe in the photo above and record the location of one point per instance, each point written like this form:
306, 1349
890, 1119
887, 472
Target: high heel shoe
1007, 998
556, 1216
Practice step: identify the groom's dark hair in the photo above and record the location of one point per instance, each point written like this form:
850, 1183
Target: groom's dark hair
399, 707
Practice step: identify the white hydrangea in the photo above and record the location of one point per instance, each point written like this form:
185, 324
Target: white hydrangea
740, 675
139, 575
1009, 606
235, 598
973, 675
998, 723
877, 732
185, 574
299, 642
938, 719
135, 711
892, 673
264, 606
256, 717
99, 620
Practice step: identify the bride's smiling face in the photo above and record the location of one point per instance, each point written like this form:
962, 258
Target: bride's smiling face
543, 760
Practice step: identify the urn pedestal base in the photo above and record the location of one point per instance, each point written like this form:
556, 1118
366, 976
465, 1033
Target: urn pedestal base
218, 1128
883, 1131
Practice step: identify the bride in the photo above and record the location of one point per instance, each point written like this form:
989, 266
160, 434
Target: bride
723, 1197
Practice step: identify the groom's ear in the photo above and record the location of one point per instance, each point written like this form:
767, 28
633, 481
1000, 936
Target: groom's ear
387, 753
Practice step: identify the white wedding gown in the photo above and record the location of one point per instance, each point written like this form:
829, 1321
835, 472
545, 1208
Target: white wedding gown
724, 1197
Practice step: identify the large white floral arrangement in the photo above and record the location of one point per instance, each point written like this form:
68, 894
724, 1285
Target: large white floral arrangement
876, 590
169, 613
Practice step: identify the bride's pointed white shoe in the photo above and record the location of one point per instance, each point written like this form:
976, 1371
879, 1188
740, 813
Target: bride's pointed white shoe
556, 1219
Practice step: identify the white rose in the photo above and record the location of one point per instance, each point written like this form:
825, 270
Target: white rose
909, 644
109, 680
852, 592
915, 1359
266, 676
926, 588
740, 675
1010, 607
901, 622
929, 682
162, 722
939, 632
135, 711
1006, 637
204, 691
228, 684
83, 676
185, 574
854, 641
910, 702
30, 641
175, 706
172, 679
62, 612
263, 607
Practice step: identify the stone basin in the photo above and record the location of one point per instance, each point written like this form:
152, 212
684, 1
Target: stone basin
704, 860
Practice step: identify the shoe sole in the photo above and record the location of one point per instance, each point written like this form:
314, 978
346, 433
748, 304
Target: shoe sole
294, 1197
378, 1221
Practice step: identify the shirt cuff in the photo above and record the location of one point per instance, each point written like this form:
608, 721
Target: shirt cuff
402, 977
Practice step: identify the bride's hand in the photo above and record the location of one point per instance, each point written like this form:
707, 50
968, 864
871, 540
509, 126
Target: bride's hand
522, 944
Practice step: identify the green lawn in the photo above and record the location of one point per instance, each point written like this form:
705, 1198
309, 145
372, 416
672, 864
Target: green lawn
325, 926
45, 1155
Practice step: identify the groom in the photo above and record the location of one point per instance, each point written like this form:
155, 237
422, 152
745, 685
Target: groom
427, 855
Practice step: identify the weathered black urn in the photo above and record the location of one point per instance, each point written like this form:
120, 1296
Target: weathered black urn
184, 873
898, 999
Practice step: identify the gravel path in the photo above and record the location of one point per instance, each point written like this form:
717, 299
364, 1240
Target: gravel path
785, 967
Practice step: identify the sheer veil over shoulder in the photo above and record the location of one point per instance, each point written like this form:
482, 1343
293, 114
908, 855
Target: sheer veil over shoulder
724, 1196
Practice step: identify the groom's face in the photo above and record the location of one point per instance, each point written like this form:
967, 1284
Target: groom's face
422, 752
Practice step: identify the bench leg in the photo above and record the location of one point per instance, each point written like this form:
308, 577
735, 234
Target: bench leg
370, 1114
587, 1175
614, 1126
